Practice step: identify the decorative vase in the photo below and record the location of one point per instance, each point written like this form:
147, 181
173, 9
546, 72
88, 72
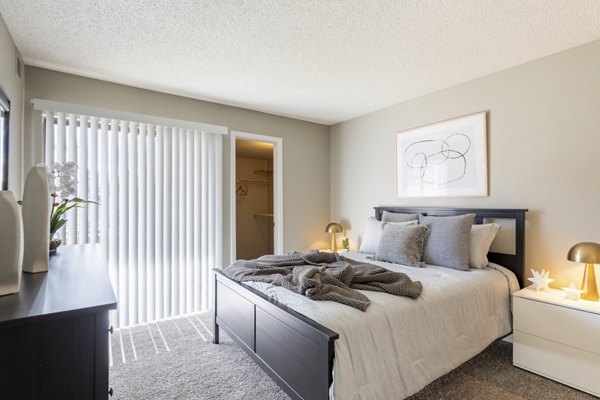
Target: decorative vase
55, 242
36, 221
11, 244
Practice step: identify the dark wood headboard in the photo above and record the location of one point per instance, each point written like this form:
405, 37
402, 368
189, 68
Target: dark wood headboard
514, 262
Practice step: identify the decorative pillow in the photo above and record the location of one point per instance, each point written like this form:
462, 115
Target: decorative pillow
373, 233
405, 223
402, 244
398, 217
482, 237
449, 241
371, 236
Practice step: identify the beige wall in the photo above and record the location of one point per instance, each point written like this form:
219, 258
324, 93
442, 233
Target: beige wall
544, 141
13, 86
305, 145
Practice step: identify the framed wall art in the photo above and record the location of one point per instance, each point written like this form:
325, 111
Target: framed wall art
444, 159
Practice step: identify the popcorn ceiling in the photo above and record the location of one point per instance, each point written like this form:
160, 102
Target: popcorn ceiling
325, 61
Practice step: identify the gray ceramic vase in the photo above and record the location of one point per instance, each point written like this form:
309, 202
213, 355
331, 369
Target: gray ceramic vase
36, 221
11, 244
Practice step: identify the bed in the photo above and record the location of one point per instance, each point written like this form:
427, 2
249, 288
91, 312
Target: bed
392, 350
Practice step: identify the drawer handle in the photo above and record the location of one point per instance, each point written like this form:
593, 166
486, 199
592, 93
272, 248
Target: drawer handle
110, 392
111, 330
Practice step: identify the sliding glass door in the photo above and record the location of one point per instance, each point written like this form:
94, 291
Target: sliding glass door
158, 190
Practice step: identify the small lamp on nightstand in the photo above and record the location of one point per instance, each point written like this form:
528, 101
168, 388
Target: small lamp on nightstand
333, 228
588, 253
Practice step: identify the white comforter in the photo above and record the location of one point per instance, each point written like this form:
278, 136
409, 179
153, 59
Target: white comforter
400, 345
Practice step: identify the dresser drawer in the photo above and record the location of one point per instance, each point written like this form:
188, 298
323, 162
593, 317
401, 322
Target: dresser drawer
564, 325
562, 363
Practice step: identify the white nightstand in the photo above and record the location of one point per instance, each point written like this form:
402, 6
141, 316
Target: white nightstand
558, 338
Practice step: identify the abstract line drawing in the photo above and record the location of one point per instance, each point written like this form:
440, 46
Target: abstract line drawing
424, 156
443, 159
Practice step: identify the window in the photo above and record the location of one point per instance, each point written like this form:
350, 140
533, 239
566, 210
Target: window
4, 118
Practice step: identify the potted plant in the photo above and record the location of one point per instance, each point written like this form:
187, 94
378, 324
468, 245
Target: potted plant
62, 185
346, 244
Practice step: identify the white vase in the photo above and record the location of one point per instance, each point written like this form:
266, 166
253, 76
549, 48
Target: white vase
11, 244
36, 221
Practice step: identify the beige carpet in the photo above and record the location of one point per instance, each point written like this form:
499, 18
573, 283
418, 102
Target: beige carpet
175, 359
491, 376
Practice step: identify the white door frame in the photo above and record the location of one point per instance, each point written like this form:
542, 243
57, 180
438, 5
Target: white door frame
277, 187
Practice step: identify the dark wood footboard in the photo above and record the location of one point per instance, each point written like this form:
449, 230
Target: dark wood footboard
295, 351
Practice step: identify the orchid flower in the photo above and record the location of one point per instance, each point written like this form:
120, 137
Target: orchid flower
62, 185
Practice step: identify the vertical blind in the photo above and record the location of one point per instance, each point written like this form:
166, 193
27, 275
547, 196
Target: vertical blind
158, 217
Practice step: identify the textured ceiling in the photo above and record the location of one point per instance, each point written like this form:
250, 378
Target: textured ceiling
322, 60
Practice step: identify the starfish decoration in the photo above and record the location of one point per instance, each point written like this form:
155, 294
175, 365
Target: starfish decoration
540, 280
572, 293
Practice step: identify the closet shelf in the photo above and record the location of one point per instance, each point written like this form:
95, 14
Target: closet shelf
253, 182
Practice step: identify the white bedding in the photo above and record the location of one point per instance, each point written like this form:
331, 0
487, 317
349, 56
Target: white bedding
400, 345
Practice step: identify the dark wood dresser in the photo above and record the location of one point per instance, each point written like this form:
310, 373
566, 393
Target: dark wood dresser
54, 332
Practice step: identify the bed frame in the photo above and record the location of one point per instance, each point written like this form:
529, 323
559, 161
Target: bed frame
297, 352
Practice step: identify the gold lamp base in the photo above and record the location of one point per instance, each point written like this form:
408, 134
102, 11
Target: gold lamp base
589, 287
333, 245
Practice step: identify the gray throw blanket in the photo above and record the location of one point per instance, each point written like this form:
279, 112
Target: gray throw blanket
324, 276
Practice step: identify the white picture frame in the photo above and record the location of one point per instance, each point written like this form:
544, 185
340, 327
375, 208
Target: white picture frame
444, 159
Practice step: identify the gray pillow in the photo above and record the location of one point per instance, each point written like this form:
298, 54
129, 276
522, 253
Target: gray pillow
398, 217
402, 244
449, 241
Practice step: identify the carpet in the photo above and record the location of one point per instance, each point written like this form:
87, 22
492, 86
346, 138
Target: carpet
175, 359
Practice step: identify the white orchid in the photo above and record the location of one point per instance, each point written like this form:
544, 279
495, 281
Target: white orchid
68, 192
62, 183
56, 167
52, 183
66, 180
69, 168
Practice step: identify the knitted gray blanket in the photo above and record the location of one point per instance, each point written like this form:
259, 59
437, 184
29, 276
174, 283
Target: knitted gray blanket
324, 276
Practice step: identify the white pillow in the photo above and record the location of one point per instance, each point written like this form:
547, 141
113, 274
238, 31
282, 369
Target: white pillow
373, 232
371, 237
482, 236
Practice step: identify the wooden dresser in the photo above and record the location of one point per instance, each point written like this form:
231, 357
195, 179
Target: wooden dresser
54, 332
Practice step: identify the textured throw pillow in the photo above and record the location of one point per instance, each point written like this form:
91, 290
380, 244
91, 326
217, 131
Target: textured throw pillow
402, 244
398, 217
371, 237
373, 233
482, 237
449, 241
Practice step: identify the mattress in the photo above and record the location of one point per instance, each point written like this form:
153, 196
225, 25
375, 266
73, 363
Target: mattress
399, 345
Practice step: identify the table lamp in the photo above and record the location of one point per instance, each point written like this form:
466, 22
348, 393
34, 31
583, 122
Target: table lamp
588, 253
333, 228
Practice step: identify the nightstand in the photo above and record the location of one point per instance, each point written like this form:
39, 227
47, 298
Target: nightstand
558, 338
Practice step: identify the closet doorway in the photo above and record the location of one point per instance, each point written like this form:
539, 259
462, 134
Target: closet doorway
256, 207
